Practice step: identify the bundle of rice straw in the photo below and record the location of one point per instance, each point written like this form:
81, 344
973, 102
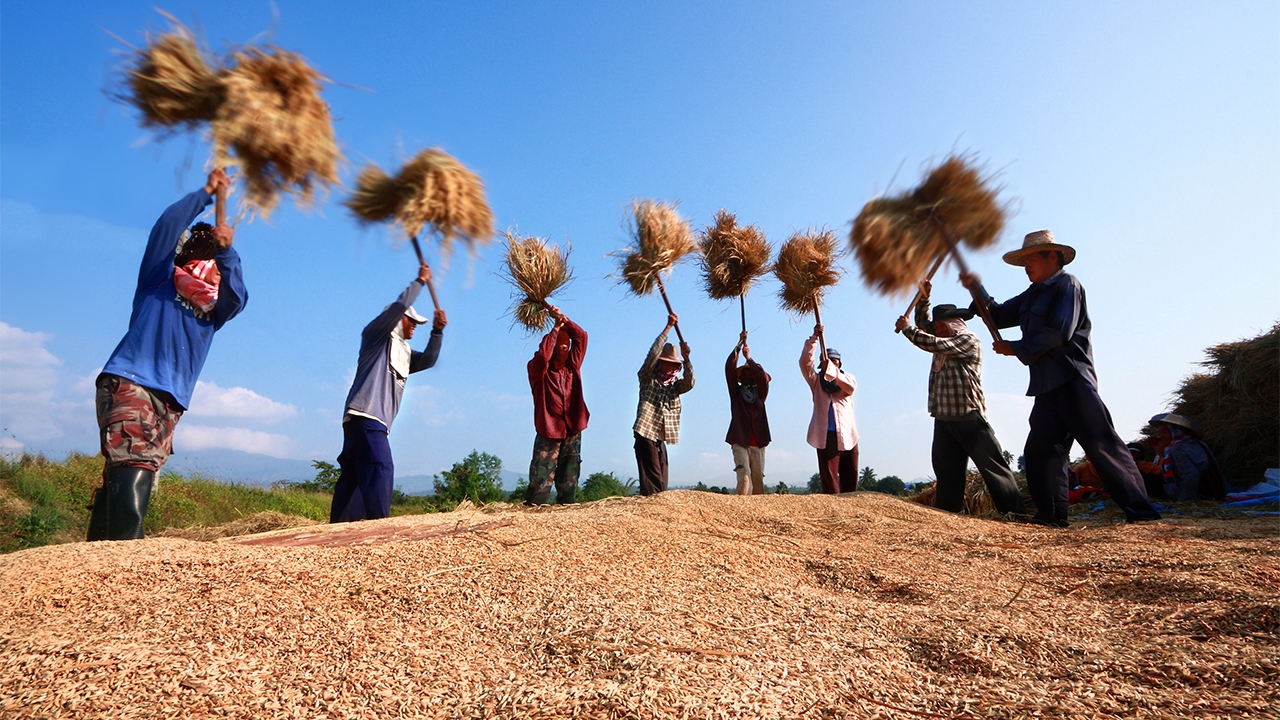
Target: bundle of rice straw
806, 266
662, 239
261, 108
896, 238
433, 189
1235, 405
977, 501
537, 271
732, 257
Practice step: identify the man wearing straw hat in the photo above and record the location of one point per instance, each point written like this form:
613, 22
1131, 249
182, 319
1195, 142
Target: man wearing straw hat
832, 430
1055, 345
960, 429
1189, 468
559, 412
748, 434
189, 286
658, 413
364, 486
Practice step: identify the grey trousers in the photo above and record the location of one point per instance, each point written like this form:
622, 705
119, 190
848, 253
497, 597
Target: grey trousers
956, 441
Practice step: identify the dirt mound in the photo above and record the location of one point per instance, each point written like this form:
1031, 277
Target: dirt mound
684, 605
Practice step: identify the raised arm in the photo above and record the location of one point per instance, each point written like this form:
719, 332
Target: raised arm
685, 383
419, 361
1004, 315
922, 305
960, 346
157, 260
232, 294
578, 350
808, 358
731, 369
1063, 313
382, 325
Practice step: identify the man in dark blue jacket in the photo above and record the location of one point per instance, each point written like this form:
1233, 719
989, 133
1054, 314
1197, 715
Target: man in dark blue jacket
364, 488
189, 286
1055, 346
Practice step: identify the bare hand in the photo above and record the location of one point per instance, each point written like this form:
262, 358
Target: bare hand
556, 315
438, 320
901, 324
217, 179
970, 280
746, 351
224, 234
672, 320
684, 350
817, 330
742, 338
1003, 347
424, 273
926, 287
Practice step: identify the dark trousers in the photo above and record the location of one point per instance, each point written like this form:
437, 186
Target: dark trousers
651, 457
555, 462
363, 491
838, 470
970, 437
1074, 412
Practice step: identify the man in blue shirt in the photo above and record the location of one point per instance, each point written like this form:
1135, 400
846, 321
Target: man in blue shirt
1055, 346
364, 488
189, 286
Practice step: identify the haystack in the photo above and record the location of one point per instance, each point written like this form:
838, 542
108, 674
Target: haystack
1235, 404
661, 239
733, 257
806, 267
897, 238
977, 501
431, 190
537, 270
260, 107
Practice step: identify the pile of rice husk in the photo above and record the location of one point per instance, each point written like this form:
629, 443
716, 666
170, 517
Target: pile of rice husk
661, 238
806, 266
253, 524
683, 605
732, 257
432, 189
1235, 404
260, 106
896, 238
537, 270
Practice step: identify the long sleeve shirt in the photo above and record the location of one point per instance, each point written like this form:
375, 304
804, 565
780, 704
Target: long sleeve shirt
748, 423
377, 388
826, 404
1055, 326
658, 412
955, 378
559, 410
166, 344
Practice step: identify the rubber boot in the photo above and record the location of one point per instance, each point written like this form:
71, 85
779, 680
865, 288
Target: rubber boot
100, 518
129, 492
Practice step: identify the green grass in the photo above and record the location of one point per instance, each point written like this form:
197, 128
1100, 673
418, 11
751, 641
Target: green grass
43, 502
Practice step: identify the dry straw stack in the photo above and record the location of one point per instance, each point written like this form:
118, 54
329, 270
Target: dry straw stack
261, 107
537, 270
431, 190
1235, 405
733, 258
661, 239
806, 267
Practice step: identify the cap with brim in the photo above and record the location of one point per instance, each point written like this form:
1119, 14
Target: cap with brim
833, 354
1039, 241
414, 315
1183, 422
669, 355
946, 312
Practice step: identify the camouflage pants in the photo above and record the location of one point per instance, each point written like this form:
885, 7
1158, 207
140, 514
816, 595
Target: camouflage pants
135, 424
554, 461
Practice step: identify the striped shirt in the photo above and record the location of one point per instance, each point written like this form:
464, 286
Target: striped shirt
955, 380
658, 414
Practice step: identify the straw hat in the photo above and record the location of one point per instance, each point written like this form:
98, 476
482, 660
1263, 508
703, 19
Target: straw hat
1036, 242
1181, 421
669, 355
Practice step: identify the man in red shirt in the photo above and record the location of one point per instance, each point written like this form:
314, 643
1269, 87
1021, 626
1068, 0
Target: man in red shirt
559, 412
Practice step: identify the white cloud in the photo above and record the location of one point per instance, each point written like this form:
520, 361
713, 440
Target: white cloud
189, 438
211, 400
10, 448
28, 377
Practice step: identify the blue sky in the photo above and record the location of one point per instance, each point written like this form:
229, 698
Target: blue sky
1144, 134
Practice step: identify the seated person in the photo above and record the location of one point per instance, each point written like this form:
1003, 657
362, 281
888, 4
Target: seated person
1190, 470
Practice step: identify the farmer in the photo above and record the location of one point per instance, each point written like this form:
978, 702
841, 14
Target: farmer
364, 488
559, 412
1189, 468
658, 413
748, 423
189, 286
1055, 345
960, 429
832, 430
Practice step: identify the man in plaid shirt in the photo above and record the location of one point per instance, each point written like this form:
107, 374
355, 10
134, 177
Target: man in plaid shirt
960, 428
658, 414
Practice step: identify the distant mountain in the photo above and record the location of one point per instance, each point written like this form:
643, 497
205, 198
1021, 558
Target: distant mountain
240, 467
